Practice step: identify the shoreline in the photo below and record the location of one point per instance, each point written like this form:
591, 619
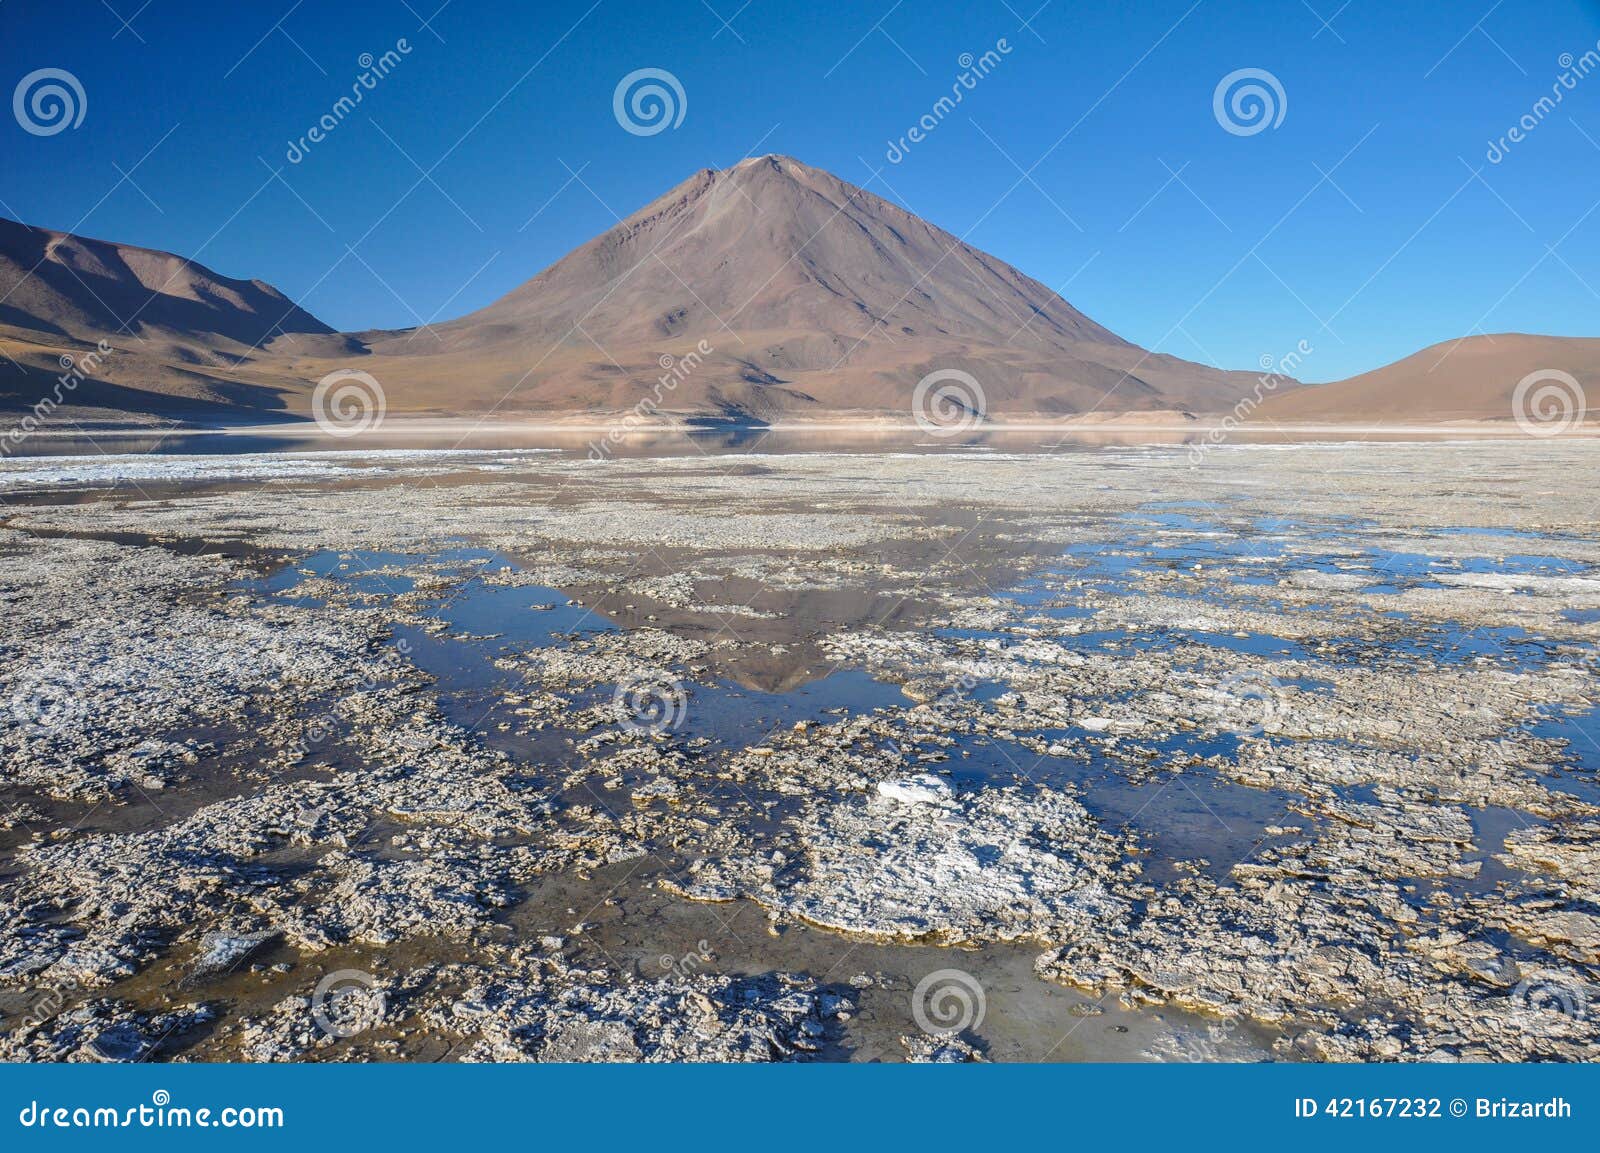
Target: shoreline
468, 426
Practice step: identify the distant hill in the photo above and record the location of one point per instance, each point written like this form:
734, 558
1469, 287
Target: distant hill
1474, 378
71, 285
184, 336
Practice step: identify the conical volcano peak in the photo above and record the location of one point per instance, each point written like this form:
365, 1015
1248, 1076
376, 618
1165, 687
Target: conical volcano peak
801, 294
773, 245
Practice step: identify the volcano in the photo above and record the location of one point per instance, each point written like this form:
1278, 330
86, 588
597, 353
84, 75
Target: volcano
767, 291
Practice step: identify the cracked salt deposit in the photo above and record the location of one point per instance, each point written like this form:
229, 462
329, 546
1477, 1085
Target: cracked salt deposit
1291, 745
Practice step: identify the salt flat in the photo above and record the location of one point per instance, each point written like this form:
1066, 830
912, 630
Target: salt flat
1273, 751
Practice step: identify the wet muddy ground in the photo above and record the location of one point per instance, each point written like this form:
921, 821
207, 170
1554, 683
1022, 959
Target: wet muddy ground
951, 753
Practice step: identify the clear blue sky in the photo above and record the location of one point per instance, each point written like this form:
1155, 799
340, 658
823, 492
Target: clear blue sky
1244, 252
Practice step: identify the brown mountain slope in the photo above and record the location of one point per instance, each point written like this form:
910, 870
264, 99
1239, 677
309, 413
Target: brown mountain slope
772, 244
183, 338
813, 298
1470, 379
816, 297
74, 286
